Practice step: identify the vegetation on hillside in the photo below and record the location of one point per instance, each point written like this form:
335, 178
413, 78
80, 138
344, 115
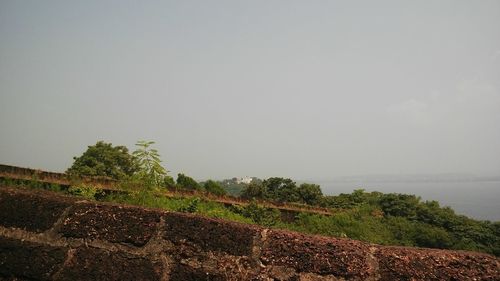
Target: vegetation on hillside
398, 219
389, 219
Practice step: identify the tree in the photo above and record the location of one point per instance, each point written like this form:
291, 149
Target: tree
254, 190
433, 237
104, 159
402, 205
214, 188
169, 182
186, 182
310, 193
149, 163
281, 189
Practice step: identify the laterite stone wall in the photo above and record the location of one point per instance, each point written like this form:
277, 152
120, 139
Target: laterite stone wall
48, 236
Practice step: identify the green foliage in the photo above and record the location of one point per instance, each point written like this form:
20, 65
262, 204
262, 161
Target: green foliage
261, 215
83, 190
169, 182
349, 201
402, 231
214, 188
432, 237
344, 224
235, 188
203, 207
254, 191
186, 182
408, 221
191, 207
310, 193
149, 199
281, 189
104, 159
400, 205
149, 165
381, 218
31, 184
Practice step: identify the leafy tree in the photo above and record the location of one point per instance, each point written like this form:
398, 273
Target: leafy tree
310, 193
430, 212
254, 190
401, 205
104, 159
341, 201
186, 182
169, 182
433, 237
281, 189
214, 188
353, 200
149, 163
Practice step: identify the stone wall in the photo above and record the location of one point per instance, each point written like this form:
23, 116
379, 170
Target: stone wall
47, 236
13, 172
288, 210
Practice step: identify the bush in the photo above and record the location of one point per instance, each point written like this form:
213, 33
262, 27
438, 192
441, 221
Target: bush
310, 193
186, 182
84, 190
432, 237
191, 207
214, 188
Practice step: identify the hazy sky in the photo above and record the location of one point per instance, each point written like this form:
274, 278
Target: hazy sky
301, 89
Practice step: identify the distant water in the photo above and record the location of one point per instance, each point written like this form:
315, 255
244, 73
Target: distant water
475, 199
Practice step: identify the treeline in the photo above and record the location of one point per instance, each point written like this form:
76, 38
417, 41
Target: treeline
284, 191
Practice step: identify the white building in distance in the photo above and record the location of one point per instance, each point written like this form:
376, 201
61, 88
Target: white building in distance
245, 180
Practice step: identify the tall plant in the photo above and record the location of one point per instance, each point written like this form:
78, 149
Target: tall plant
148, 160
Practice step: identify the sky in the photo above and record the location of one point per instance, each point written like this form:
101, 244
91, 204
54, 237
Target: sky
299, 89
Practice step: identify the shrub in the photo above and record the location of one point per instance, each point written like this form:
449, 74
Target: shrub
214, 188
84, 190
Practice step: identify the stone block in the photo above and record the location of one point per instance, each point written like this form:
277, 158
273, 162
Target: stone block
27, 260
211, 234
401, 263
30, 210
97, 264
315, 254
116, 224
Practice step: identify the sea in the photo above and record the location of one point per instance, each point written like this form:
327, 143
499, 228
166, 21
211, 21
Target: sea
475, 198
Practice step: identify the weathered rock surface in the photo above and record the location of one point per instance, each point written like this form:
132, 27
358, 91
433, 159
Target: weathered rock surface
48, 236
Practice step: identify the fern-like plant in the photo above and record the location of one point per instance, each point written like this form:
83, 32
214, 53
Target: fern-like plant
148, 160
